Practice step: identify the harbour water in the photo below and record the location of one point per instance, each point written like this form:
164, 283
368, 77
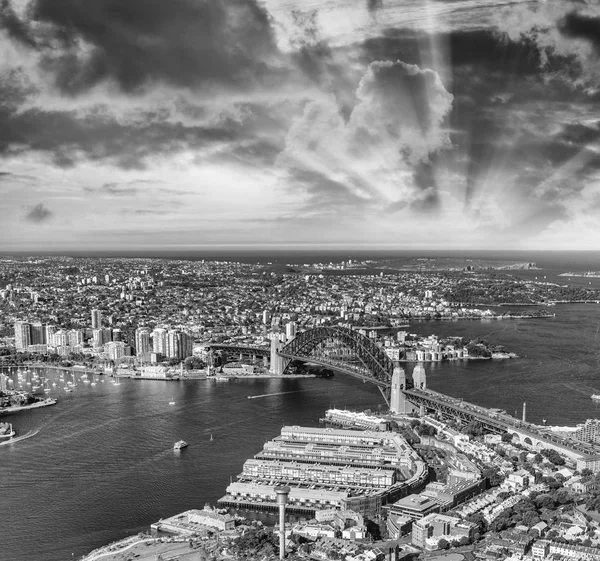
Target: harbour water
102, 465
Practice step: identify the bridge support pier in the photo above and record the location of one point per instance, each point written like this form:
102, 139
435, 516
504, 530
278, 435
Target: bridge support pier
278, 363
398, 402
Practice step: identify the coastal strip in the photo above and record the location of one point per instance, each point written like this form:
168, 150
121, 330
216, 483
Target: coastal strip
15, 408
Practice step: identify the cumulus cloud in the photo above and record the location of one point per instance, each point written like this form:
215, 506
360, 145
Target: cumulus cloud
38, 214
395, 125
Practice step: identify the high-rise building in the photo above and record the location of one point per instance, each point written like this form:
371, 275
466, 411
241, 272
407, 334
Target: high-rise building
50, 331
142, 342
38, 334
22, 335
60, 339
159, 341
290, 330
115, 350
96, 319
75, 337
265, 317
101, 337
179, 345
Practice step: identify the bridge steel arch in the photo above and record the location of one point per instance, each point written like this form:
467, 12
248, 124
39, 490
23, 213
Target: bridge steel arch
377, 367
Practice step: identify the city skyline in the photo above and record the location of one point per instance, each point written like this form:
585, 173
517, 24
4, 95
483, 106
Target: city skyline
418, 125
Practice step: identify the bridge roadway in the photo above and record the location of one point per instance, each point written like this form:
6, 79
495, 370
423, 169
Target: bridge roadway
239, 349
499, 422
495, 421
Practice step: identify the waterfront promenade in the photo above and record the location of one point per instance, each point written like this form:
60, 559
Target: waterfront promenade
142, 547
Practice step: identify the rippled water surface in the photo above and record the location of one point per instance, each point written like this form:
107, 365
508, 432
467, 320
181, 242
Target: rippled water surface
102, 465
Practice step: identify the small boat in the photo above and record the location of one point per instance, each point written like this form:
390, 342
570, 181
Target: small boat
67, 389
596, 396
172, 402
211, 436
180, 444
6, 430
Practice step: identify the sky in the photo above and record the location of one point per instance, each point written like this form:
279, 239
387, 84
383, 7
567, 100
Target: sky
416, 124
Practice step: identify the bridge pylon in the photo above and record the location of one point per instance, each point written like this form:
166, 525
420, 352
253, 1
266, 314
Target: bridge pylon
398, 402
419, 377
278, 363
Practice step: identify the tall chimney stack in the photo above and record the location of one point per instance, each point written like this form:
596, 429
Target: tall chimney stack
524, 410
282, 498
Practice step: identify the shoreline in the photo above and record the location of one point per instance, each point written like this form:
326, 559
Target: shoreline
221, 377
14, 409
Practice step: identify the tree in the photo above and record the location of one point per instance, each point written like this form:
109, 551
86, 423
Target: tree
443, 544
479, 519
507, 437
193, 363
492, 474
474, 428
553, 456
530, 518
464, 540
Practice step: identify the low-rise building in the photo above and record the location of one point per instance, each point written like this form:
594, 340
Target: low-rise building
414, 506
440, 526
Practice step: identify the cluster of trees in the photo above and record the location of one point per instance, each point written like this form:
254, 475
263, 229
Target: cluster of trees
503, 289
422, 429
473, 429
553, 456
193, 363
19, 358
256, 543
479, 350
592, 501
527, 512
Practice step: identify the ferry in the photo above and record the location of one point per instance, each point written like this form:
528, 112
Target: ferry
596, 396
180, 444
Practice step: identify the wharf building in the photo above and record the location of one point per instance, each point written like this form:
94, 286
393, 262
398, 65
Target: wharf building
351, 419
329, 469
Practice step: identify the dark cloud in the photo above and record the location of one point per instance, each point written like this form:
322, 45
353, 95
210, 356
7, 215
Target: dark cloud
581, 26
39, 214
118, 189
374, 5
124, 188
184, 43
150, 212
10, 22
501, 118
68, 137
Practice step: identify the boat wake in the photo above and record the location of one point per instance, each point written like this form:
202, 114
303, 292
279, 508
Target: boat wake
23, 437
272, 394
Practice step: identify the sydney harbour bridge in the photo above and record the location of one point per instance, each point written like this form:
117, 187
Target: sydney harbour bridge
349, 352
